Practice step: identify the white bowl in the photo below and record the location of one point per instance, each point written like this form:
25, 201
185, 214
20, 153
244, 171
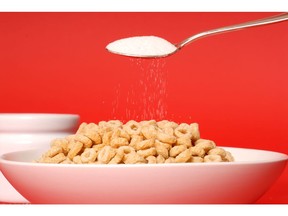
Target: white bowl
23, 131
242, 181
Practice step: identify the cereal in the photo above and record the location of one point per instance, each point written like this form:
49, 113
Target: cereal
183, 156
196, 159
218, 151
149, 131
133, 158
77, 159
212, 158
176, 150
170, 160
119, 141
106, 154
183, 130
228, 157
166, 138
151, 160
132, 128
76, 147
184, 140
54, 150
118, 157
147, 152
161, 149
197, 151
61, 142
207, 145
55, 159
195, 131
144, 142
160, 159
89, 155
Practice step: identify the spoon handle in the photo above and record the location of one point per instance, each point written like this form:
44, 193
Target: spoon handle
265, 21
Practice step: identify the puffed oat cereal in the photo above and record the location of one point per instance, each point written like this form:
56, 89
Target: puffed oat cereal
144, 142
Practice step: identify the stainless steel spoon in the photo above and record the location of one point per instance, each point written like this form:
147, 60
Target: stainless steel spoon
179, 46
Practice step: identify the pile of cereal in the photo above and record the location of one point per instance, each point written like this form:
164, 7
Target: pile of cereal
112, 142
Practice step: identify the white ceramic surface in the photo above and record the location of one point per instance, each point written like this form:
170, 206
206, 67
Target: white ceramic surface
25, 131
242, 181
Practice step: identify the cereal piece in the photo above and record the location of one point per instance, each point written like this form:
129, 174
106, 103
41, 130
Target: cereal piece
183, 156
104, 127
133, 158
145, 144
160, 159
132, 128
161, 149
161, 124
82, 127
228, 157
127, 149
184, 140
212, 158
75, 148
89, 155
168, 130
106, 139
146, 123
77, 159
84, 139
167, 146
205, 144
54, 150
119, 132
98, 147
176, 150
165, 123
103, 124
151, 159
197, 151
119, 141
195, 131
149, 131
55, 159
67, 161
61, 142
183, 130
196, 160
217, 151
91, 127
135, 139
115, 123
118, 157
94, 136
170, 160
166, 138
106, 154
147, 152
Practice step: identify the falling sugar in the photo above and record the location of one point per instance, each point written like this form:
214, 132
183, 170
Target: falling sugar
147, 98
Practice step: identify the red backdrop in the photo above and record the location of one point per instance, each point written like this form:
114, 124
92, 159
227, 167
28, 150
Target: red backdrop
234, 85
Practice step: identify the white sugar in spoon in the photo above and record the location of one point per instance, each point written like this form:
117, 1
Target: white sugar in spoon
155, 47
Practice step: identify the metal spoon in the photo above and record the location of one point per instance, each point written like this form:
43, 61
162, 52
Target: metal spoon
179, 46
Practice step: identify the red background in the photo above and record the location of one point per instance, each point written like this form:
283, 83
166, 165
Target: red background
234, 85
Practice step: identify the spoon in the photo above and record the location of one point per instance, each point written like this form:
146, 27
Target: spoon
155, 47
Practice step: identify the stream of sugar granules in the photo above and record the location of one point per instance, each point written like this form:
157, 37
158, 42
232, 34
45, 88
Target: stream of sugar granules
147, 97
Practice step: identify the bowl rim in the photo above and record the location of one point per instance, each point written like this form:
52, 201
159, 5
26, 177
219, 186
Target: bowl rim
282, 157
30, 116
